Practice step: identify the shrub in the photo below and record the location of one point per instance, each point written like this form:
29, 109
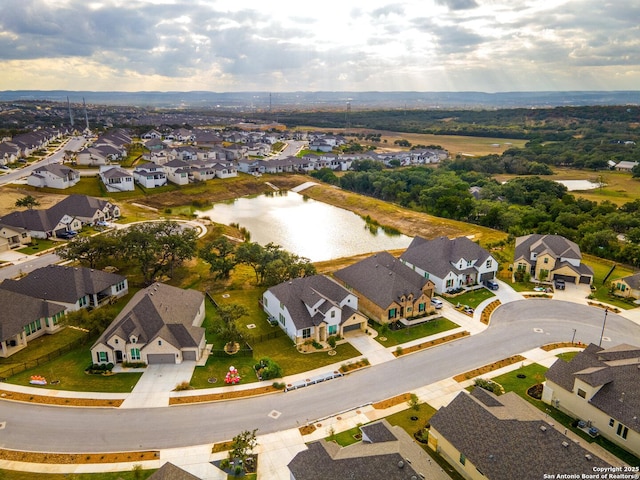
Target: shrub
488, 385
267, 369
317, 345
279, 385
110, 366
183, 386
332, 341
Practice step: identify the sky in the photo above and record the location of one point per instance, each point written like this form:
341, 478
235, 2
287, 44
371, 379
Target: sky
334, 45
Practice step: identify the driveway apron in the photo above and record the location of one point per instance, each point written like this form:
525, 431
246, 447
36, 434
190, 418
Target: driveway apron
156, 383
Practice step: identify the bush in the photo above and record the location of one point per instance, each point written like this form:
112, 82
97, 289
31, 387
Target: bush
489, 385
267, 369
332, 341
183, 386
317, 345
279, 385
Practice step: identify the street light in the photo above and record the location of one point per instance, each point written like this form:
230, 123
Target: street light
574, 336
606, 310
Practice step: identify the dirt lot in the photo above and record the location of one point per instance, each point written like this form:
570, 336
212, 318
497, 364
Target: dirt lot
9, 195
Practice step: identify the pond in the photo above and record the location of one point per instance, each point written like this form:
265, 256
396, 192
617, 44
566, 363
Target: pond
303, 226
577, 185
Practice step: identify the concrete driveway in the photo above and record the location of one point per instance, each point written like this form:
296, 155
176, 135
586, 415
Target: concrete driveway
156, 383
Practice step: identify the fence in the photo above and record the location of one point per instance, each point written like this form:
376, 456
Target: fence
15, 368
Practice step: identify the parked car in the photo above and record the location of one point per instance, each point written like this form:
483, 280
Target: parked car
492, 284
102, 223
559, 284
4, 167
66, 235
436, 302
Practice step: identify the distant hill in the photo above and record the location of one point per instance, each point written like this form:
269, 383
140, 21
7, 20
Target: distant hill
318, 100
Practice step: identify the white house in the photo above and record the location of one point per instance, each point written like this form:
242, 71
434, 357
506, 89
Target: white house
450, 264
116, 179
177, 171
53, 176
150, 175
160, 324
313, 308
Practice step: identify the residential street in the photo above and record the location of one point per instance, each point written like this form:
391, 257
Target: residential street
516, 327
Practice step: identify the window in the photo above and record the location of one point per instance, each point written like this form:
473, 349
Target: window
83, 301
265, 301
622, 431
159, 342
409, 309
488, 264
421, 307
306, 332
426, 275
582, 393
102, 357
116, 341
281, 319
120, 286
463, 459
392, 313
281, 306
468, 263
611, 422
135, 354
333, 329
333, 314
546, 260
450, 283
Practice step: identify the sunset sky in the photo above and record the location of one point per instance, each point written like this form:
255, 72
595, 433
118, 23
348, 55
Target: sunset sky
346, 45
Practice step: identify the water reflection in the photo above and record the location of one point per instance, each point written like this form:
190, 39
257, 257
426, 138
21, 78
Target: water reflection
304, 226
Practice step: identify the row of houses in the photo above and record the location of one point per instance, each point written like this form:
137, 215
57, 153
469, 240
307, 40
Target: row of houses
25, 144
70, 214
109, 147
380, 287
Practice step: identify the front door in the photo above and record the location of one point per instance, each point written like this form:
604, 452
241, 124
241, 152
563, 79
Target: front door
118, 356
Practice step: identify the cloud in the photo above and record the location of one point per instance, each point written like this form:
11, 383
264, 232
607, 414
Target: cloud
458, 4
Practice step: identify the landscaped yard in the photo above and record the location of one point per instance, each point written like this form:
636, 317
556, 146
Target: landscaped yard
601, 268
126, 475
472, 298
38, 245
68, 370
281, 350
407, 334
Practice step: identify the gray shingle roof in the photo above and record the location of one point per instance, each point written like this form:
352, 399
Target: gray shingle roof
19, 310
556, 245
382, 279
615, 370
503, 444
386, 460
159, 311
301, 294
436, 256
633, 280
62, 284
170, 472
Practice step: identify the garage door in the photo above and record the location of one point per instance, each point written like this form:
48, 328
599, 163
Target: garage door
585, 279
191, 355
566, 278
351, 328
155, 358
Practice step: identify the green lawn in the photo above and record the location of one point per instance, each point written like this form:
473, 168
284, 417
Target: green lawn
68, 369
281, 350
38, 245
404, 418
42, 346
567, 356
472, 298
346, 438
426, 329
601, 268
511, 383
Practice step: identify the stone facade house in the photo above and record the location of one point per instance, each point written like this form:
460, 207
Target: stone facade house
387, 289
628, 286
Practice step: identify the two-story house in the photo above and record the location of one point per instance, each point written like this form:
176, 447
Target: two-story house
600, 387
450, 263
387, 289
313, 308
551, 257
53, 176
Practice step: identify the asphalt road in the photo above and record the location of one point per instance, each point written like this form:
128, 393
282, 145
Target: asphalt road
516, 327
14, 271
74, 144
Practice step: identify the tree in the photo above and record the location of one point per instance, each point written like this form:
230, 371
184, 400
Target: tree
28, 201
227, 328
219, 254
89, 251
242, 445
157, 247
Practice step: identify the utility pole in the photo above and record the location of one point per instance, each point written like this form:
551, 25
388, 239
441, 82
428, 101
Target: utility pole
606, 310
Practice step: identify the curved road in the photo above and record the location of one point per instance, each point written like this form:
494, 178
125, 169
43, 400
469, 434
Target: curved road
516, 327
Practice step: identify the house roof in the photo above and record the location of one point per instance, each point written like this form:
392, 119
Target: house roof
169, 471
301, 295
382, 279
62, 284
555, 245
56, 169
36, 220
614, 370
159, 310
522, 444
438, 255
19, 310
81, 206
632, 280
115, 172
396, 457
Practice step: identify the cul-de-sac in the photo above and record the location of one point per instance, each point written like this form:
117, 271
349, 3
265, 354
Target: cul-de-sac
215, 294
